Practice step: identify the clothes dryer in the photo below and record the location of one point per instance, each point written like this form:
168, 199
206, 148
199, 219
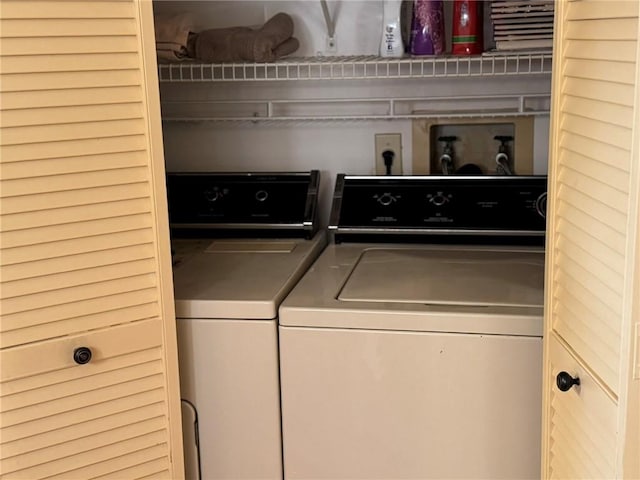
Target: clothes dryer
240, 241
413, 346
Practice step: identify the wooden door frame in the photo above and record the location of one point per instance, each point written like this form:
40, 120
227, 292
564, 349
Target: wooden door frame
629, 420
161, 227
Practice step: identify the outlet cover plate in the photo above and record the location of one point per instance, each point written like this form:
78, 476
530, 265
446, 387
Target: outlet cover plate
388, 141
331, 45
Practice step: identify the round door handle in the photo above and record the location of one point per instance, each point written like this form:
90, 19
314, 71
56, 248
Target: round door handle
565, 381
82, 355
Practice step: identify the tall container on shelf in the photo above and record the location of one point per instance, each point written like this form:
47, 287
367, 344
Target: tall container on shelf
467, 27
427, 28
391, 44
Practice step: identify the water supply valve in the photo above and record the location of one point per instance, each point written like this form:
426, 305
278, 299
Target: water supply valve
446, 159
502, 159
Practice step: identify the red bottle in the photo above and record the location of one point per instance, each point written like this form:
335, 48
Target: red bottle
467, 27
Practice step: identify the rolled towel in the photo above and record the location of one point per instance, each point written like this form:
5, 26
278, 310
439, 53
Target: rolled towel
272, 41
172, 36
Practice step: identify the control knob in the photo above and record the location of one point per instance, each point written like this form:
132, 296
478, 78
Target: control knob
541, 205
438, 199
386, 199
262, 195
213, 195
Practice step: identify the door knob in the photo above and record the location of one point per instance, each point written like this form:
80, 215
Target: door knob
564, 381
82, 355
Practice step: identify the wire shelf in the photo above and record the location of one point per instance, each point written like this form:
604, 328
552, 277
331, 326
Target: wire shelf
361, 67
404, 108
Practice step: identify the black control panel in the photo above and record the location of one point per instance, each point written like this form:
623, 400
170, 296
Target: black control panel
440, 205
243, 201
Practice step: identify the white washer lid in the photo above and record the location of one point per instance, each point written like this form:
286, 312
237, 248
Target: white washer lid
315, 302
241, 279
455, 277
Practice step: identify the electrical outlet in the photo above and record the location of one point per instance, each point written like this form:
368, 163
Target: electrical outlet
388, 142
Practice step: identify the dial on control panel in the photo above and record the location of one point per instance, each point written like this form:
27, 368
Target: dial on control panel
439, 199
215, 194
541, 205
262, 195
386, 198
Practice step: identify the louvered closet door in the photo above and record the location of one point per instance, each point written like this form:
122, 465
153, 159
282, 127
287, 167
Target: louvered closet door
84, 250
591, 237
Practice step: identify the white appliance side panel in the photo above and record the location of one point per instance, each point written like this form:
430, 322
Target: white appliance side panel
190, 441
363, 404
229, 372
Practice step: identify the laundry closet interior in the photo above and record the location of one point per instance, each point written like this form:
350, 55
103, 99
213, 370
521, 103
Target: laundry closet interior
332, 108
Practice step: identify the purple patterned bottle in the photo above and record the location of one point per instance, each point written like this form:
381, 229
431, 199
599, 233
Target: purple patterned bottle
427, 28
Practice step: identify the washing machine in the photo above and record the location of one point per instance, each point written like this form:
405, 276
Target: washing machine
240, 242
412, 348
